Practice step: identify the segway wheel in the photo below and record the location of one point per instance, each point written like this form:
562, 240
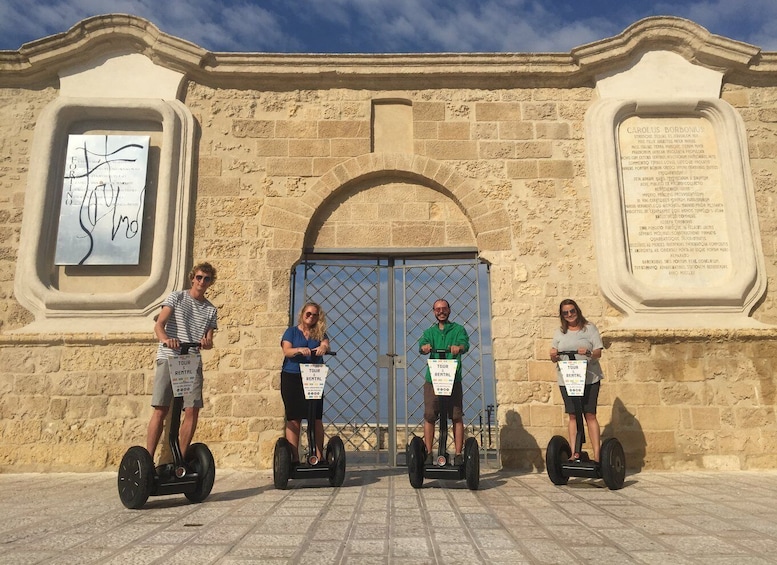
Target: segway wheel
613, 464
281, 463
200, 460
416, 454
472, 463
335, 457
558, 451
136, 477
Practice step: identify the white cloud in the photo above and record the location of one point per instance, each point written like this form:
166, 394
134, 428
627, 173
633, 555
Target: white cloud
390, 25
212, 24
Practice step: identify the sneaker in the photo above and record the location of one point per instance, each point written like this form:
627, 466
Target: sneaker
429, 459
458, 461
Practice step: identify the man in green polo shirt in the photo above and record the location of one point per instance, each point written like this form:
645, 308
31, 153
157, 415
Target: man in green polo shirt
453, 338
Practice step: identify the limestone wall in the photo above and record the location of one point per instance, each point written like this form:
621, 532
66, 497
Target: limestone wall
285, 163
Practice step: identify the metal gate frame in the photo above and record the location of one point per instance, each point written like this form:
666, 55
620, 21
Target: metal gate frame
369, 372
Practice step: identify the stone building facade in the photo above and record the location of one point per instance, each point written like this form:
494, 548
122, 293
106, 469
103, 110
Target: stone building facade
256, 158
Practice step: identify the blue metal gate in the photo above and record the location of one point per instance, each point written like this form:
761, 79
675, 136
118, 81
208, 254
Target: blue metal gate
376, 309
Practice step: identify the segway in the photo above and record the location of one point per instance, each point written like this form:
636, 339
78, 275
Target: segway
443, 467
612, 465
332, 467
192, 476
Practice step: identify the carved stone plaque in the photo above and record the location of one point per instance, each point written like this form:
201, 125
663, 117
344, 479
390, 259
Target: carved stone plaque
103, 192
675, 216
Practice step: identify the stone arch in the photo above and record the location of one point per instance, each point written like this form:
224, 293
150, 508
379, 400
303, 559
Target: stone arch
489, 221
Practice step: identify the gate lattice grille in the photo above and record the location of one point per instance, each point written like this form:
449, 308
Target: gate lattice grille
458, 284
350, 297
377, 310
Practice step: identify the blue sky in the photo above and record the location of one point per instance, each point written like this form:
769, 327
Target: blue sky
391, 26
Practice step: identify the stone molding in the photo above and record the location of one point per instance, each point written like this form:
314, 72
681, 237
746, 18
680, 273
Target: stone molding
42, 59
492, 228
115, 310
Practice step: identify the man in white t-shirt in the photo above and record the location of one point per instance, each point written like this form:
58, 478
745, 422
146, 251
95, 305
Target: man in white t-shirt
186, 316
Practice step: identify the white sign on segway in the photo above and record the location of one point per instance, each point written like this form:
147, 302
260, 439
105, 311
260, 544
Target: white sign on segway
313, 379
443, 372
573, 374
183, 372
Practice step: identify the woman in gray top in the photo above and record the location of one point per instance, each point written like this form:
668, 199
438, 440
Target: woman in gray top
578, 334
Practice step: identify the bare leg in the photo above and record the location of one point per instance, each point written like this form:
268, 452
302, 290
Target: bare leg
155, 427
292, 436
188, 426
320, 439
573, 433
594, 434
428, 435
458, 436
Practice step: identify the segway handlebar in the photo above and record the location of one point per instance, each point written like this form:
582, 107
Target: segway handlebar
185, 346
570, 355
438, 353
312, 355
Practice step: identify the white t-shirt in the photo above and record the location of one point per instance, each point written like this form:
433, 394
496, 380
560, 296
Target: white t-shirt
188, 322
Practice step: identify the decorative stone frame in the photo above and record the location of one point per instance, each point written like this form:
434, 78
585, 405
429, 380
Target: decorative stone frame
129, 298
727, 304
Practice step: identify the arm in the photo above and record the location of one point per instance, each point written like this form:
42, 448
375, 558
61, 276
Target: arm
424, 344
207, 341
595, 351
322, 348
159, 328
462, 342
290, 351
554, 346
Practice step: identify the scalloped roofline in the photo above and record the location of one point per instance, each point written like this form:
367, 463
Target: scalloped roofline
122, 33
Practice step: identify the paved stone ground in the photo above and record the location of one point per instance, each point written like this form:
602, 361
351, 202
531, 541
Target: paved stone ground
376, 517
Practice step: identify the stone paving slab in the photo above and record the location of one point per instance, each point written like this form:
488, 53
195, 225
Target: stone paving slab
378, 518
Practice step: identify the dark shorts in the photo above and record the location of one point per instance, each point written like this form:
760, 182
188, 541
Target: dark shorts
432, 406
294, 400
590, 399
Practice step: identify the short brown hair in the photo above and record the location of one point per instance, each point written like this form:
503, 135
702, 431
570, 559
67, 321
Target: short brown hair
206, 268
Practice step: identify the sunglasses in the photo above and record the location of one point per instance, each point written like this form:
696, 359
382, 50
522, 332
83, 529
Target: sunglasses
571, 312
311, 314
204, 278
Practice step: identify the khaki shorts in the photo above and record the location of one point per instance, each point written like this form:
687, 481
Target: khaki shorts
432, 405
163, 388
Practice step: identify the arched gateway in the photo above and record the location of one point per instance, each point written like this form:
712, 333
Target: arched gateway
390, 236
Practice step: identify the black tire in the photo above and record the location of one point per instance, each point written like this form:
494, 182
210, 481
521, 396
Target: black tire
281, 463
200, 460
416, 455
335, 458
136, 477
558, 451
472, 463
613, 464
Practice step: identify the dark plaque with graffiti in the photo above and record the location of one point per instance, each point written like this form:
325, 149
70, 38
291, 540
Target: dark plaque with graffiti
103, 191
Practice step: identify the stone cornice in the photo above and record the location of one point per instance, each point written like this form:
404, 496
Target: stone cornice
706, 335
47, 339
44, 58
118, 33
681, 36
